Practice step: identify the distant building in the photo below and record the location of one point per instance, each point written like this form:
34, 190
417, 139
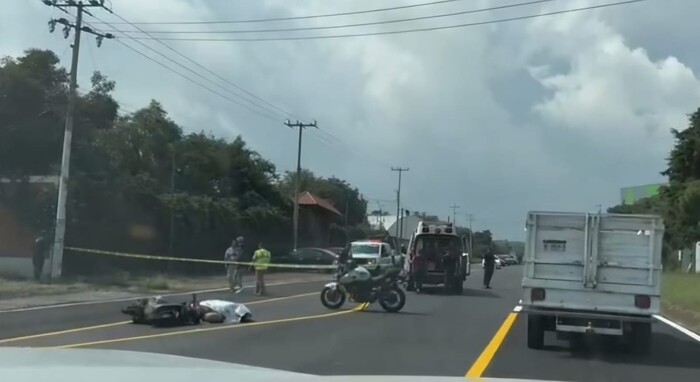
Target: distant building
380, 222
315, 218
406, 226
631, 195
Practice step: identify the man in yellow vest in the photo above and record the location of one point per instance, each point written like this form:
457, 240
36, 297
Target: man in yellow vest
261, 258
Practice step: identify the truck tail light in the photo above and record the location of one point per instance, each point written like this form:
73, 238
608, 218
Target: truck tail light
537, 294
642, 301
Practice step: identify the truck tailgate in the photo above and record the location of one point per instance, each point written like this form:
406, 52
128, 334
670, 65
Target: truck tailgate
594, 262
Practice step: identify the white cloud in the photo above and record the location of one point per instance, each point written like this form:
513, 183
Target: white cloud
552, 113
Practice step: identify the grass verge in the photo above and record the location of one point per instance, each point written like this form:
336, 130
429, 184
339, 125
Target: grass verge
680, 297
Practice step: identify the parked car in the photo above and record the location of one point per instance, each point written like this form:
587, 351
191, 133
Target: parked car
336, 250
308, 256
499, 263
505, 261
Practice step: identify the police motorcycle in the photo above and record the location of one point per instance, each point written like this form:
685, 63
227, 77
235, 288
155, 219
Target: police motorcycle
365, 284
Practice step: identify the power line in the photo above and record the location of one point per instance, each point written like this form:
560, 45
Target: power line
295, 17
347, 25
317, 138
284, 114
266, 115
188, 78
427, 29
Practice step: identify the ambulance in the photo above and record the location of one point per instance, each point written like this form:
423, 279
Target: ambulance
439, 243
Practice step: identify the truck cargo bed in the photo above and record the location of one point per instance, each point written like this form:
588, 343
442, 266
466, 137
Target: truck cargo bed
607, 263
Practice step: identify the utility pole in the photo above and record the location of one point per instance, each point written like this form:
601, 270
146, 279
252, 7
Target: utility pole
398, 196
173, 169
471, 235
301, 126
56, 258
454, 207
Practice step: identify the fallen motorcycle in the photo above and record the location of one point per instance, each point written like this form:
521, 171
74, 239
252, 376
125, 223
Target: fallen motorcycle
361, 286
159, 312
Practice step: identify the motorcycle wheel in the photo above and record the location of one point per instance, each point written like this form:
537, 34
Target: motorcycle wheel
332, 298
393, 300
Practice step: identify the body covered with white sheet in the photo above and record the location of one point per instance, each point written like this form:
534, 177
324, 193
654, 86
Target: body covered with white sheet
216, 311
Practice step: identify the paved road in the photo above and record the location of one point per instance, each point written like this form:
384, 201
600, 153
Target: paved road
433, 335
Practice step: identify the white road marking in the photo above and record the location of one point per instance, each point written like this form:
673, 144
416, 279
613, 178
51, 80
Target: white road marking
293, 281
517, 309
678, 327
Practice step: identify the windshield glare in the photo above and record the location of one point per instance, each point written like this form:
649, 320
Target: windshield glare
439, 242
364, 249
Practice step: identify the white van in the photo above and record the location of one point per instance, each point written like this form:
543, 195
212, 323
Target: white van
369, 251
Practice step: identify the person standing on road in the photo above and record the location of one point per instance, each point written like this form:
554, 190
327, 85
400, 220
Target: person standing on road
489, 266
234, 272
419, 267
41, 246
261, 258
449, 260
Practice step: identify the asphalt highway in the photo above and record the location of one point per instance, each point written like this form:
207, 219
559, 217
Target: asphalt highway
476, 333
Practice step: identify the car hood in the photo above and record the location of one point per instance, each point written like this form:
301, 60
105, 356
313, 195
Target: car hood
71, 365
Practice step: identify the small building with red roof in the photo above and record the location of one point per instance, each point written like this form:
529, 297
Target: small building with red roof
316, 216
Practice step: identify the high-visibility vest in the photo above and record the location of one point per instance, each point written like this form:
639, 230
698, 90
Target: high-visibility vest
261, 258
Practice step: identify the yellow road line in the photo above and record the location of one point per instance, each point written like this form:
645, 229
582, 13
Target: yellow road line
133, 298
478, 368
33, 336
192, 331
280, 298
85, 328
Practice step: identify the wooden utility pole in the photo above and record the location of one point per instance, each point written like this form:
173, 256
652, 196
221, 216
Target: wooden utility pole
398, 196
471, 235
56, 257
454, 214
301, 126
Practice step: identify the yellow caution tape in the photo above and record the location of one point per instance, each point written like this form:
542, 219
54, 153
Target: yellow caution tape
151, 257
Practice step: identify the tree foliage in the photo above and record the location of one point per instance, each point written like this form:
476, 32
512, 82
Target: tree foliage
679, 201
134, 175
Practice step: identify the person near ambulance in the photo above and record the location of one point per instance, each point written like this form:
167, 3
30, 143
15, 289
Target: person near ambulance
419, 264
261, 259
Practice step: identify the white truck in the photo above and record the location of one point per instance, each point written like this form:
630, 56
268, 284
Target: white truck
592, 273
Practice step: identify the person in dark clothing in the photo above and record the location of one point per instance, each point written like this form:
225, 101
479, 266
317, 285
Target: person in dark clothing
449, 259
344, 255
418, 265
489, 266
41, 245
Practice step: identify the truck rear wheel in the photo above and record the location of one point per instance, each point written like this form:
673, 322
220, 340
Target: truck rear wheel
535, 331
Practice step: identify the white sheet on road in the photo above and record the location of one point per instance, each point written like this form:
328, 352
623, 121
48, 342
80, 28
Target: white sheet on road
231, 311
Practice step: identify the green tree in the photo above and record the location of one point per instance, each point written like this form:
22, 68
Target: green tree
33, 92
